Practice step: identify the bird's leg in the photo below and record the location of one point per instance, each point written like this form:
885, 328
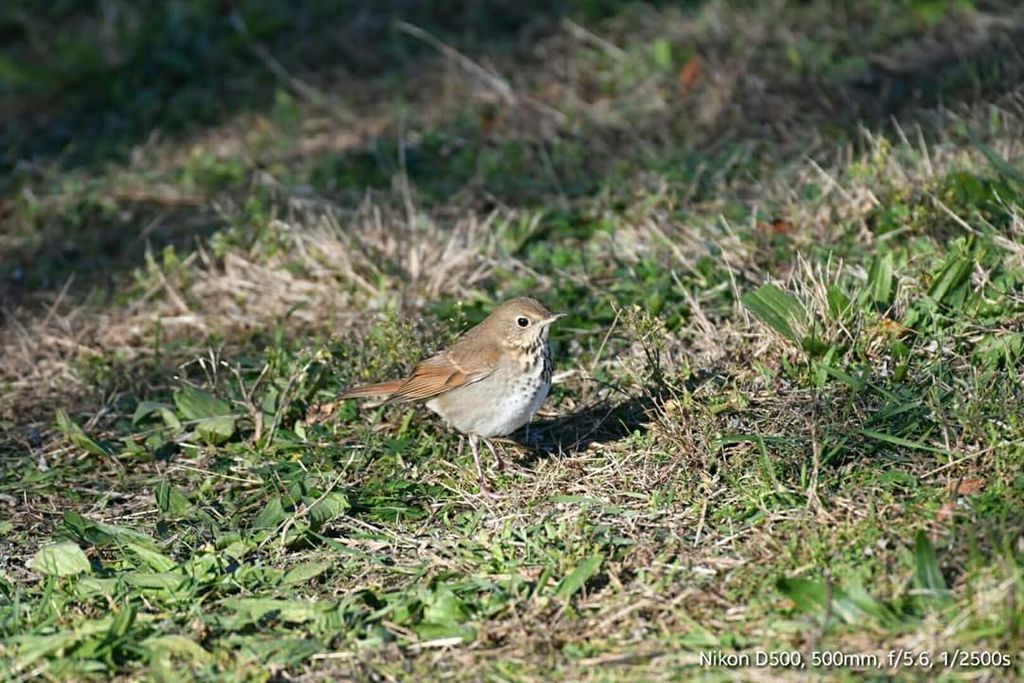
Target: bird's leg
479, 469
501, 461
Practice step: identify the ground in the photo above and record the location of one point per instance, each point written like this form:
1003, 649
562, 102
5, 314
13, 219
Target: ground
789, 241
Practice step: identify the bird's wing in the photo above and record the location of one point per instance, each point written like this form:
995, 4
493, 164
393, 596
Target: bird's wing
464, 362
457, 366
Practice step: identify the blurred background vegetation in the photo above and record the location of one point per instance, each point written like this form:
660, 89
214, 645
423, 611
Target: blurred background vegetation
87, 80
84, 85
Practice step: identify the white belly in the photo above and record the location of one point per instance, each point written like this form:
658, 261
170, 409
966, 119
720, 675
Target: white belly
496, 405
514, 409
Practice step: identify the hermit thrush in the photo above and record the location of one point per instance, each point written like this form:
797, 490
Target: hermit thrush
489, 382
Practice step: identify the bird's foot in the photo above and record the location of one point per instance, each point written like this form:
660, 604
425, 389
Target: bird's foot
502, 465
487, 492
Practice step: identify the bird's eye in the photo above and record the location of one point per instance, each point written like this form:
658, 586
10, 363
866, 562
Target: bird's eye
522, 322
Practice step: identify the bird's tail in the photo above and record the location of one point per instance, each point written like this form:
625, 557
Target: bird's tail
383, 390
379, 390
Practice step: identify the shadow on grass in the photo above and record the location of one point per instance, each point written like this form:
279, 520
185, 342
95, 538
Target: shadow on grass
603, 423
84, 88
84, 85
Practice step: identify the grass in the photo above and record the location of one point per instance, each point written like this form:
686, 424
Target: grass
789, 244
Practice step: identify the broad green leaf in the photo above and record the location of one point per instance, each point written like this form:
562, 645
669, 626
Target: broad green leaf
166, 581
807, 595
576, 579
86, 531
97, 645
814, 346
901, 355
284, 652
855, 607
93, 533
296, 532
92, 586
176, 646
428, 630
171, 501
870, 605
778, 309
442, 606
844, 377
237, 548
30, 648
203, 567
444, 616
254, 609
196, 404
60, 559
848, 610
215, 422
216, 430
156, 561
661, 51
77, 436
272, 514
328, 508
304, 573
166, 412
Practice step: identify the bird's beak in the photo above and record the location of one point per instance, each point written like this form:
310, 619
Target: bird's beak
556, 316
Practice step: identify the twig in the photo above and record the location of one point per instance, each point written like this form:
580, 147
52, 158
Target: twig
296, 85
247, 398
586, 35
700, 523
953, 463
497, 83
813, 501
215, 474
608, 334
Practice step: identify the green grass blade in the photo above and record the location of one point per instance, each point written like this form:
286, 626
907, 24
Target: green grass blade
576, 579
900, 441
927, 575
778, 309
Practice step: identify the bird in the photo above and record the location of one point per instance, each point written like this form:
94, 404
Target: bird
488, 383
